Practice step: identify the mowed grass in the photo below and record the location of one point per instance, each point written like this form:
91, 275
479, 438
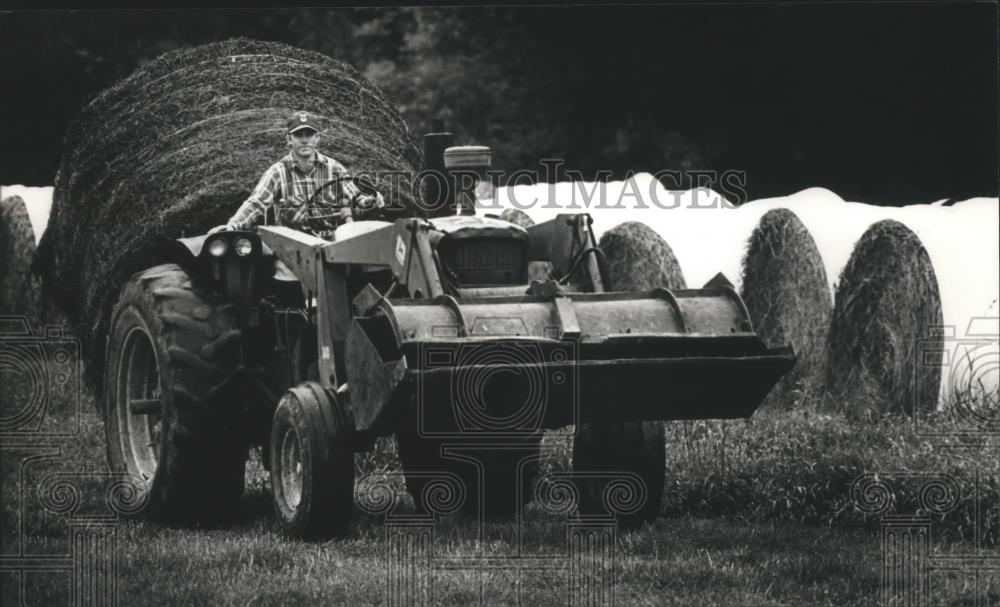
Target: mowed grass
755, 513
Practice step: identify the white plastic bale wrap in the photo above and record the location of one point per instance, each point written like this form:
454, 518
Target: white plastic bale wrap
967, 265
37, 200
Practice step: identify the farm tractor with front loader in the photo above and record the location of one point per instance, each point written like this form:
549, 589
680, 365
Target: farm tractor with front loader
426, 328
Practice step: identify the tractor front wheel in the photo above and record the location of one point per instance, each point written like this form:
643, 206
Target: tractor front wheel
312, 463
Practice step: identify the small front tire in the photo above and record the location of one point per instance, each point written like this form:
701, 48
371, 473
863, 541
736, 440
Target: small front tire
312, 464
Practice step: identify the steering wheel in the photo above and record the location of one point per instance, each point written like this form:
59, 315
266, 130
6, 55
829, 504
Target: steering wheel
305, 216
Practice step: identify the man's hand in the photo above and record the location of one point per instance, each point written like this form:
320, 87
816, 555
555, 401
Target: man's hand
367, 204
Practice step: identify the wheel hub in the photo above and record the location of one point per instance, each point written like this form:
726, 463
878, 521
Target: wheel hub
140, 413
291, 469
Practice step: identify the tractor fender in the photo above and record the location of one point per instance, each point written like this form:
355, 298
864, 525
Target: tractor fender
194, 244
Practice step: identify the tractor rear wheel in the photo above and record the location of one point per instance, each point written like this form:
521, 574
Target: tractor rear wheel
312, 463
172, 417
499, 478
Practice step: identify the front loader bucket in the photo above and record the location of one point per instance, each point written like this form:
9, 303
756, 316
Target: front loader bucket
510, 364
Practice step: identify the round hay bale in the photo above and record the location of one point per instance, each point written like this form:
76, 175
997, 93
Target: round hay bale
784, 287
909, 284
638, 259
19, 288
517, 217
37, 200
886, 301
176, 147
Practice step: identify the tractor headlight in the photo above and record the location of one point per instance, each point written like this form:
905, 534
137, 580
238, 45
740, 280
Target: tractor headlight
218, 247
243, 247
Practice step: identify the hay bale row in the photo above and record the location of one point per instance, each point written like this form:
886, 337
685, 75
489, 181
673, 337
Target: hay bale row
706, 234
176, 147
914, 285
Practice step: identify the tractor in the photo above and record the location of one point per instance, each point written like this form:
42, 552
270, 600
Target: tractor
426, 328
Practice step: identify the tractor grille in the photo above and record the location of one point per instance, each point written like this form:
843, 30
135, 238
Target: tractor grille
485, 261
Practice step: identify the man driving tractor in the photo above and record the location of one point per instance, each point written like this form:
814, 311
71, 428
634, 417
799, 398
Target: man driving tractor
298, 186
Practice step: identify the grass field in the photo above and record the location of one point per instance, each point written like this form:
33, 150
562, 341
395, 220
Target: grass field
755, 513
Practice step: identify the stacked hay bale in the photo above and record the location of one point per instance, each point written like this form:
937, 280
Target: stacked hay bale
910, 289
177, 146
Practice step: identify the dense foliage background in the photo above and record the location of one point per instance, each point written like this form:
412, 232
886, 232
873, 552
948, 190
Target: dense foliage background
886, 103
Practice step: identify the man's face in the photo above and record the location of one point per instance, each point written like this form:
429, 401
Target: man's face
303, 142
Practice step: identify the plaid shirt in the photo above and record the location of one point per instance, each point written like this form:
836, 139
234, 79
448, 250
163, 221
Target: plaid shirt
288, 187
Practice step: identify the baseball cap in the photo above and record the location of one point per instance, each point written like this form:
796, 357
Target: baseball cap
299, 121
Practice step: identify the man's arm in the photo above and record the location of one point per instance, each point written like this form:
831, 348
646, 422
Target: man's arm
259, 201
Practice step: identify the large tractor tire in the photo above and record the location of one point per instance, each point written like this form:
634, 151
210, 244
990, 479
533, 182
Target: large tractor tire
312, 464
172, 416
19, 289
499, 479
638, 259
